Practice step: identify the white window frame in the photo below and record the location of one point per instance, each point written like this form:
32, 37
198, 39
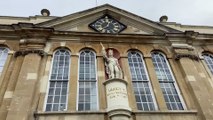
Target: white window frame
174, 81
148, 79
49, 77
210, 69
5, 58
97, 98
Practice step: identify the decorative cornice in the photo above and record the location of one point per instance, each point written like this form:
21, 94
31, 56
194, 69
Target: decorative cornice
25, 52
25, 31
178, 56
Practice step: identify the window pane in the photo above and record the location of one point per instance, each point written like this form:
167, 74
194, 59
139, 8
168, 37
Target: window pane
55, 107
50, 99
62, 107
63, 99
48, 107
80, 106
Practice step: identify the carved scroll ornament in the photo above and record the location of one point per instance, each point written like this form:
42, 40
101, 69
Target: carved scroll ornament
25, 52
178, 56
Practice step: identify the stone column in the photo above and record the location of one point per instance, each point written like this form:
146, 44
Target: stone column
117, 99
25, 92
188, 62
26, 89
26, 86
41, 84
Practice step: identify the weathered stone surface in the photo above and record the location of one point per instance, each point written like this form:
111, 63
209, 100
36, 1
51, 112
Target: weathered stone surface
24, 80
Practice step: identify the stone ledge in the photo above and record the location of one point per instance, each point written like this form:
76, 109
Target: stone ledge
115, 80
105, 112
167, 112
69, 112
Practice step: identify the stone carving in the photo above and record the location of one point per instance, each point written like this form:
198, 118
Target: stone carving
185, 52
25, 52
112, 66
191, 56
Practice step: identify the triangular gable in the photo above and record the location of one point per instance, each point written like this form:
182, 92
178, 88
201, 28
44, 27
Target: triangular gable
80, 21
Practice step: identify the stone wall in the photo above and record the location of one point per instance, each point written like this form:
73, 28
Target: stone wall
24, 80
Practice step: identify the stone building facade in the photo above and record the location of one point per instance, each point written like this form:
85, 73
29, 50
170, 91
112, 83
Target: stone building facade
52, 68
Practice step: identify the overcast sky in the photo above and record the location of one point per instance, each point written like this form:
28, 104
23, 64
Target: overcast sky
193, 12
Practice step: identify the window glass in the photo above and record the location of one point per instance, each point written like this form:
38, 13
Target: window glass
142, 88
167, 82
209, 61
58, 83
87, 91
3, 57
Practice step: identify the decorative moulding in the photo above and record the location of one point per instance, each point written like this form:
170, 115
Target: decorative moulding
178, 56
25, 52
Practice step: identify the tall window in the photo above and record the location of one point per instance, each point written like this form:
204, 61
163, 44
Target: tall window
3, 57
58, 83
209, 61
167, 82
87, 89
140, 80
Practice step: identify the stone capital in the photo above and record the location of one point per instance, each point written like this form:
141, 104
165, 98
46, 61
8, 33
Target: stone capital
25, 52
185, 53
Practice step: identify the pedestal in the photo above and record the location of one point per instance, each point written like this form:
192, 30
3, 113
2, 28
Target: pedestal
117, 99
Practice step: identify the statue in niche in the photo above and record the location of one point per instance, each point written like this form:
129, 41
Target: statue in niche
112, 66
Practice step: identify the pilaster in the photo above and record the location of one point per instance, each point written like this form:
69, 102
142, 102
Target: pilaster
38, 87
184, 91
44, 81
25, 88
189, 62
101, 79
73, 83
26, 91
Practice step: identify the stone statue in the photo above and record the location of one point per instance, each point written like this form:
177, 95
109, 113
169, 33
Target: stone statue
113, 68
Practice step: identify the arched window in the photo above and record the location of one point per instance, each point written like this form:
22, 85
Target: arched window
209, 61
87, 82
167, 82
58, 82
3, 57
141, 84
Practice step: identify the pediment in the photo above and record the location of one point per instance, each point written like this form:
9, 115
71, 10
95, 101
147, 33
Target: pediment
80, 21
